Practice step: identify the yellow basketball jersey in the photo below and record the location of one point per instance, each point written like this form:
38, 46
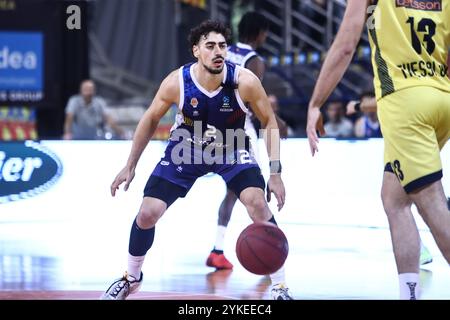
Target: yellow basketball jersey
410, 40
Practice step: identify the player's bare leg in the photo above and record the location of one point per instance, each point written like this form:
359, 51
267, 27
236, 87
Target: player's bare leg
404, 235
141, 239
432, 205
216, 258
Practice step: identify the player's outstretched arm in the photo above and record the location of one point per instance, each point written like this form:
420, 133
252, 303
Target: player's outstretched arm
167, 95
252, 91
336, 63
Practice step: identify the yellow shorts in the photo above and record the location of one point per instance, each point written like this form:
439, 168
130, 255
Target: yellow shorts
415, 123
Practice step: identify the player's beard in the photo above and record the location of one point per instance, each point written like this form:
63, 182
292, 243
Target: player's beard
214, 71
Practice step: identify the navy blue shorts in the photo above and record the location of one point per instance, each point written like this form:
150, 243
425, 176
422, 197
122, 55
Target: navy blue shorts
172, 179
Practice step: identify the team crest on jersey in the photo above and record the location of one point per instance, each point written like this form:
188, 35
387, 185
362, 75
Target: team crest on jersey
424, 5
194, 102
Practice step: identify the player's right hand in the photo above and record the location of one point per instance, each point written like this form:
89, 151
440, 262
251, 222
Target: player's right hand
125, 175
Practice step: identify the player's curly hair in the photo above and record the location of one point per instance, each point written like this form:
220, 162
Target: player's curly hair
206, 27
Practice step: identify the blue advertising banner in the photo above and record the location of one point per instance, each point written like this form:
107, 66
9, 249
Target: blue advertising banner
21, 66
21, 62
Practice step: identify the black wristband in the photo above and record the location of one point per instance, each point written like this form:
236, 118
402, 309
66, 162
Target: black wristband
358, 106
275, 167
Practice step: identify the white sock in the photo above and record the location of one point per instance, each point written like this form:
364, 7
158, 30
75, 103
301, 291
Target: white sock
220, 237
135, 265
409, 286
278, 277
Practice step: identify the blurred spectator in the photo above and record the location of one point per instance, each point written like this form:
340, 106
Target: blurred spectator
86, 116
337, 125
368, 126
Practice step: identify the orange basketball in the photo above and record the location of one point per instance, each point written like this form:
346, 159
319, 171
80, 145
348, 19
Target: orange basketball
262, 248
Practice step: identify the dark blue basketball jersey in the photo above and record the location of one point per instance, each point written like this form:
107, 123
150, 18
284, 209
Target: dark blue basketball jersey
214, 111
187, 158
240, 54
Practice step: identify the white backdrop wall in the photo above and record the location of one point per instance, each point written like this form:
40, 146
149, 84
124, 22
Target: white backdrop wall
79, 222
340, 185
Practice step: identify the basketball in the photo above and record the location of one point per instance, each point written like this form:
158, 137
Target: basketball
262, 248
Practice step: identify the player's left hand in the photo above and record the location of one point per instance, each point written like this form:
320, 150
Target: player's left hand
276, 185
314, 124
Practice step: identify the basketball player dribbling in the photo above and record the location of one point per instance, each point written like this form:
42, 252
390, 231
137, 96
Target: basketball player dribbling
212, 96
253, 29
410, 42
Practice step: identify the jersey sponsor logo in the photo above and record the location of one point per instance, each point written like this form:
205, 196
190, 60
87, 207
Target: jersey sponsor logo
425, 5
26, 170
226, 105
194, 102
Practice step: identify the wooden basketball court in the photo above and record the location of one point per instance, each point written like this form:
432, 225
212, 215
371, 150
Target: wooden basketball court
342, 268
